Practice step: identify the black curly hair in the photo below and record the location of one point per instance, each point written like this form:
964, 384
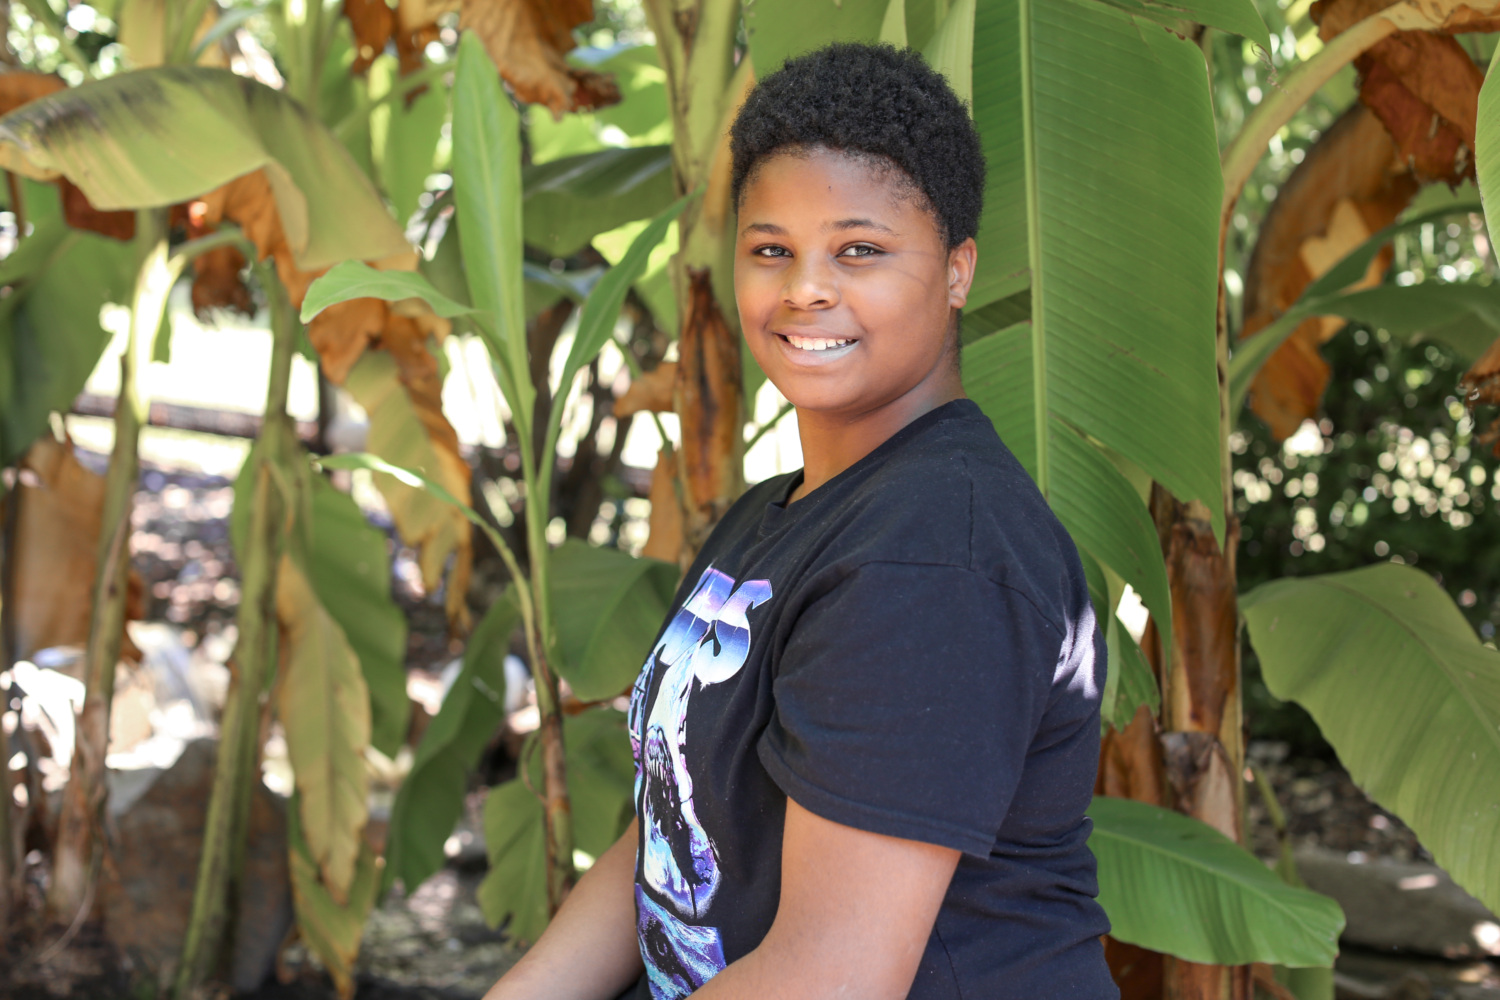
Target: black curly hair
877, 102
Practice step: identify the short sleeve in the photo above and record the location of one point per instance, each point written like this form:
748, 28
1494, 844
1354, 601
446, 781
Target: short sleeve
906, 699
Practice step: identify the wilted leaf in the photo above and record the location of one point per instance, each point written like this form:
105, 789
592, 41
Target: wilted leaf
20, 87
1423, 86
350, 569
107, 136
332, 929
527, 40
407, 429
666, 535
1349, 186
217, 282
56, 550
651, 392
372, 22
412, 421
324, 707
82, 215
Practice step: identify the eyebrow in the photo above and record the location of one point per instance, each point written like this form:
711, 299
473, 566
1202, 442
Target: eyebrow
771, 229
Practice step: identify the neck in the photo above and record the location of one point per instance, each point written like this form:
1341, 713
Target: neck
831, 442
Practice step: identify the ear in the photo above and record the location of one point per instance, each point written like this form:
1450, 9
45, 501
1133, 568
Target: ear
962, 260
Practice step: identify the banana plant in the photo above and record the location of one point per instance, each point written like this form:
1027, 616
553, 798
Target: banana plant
489, 202
225, 129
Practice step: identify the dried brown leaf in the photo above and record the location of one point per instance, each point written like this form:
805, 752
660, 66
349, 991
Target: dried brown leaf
341, 335
372, 23
528, 39
118, 225
1423, 86
217, 283
1351, 184
666, 531
652, 391
20, 87
56, 553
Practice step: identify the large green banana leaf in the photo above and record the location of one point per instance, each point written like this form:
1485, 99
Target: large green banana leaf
161, 136
1402, 687
1103, 196
1175, 885
1102, 199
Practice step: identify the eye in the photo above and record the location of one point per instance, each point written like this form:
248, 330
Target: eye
770, 250
860, 250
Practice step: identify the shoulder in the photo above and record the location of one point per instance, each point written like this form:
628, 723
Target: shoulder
957, 497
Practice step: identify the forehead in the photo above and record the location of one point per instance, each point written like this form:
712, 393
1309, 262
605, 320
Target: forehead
820, 182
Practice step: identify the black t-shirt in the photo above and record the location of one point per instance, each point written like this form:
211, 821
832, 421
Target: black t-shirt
910, 650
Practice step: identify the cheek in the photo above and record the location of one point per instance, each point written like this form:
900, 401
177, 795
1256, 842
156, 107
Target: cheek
753, 294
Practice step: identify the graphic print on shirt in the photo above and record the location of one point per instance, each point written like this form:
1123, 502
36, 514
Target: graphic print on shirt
706, 643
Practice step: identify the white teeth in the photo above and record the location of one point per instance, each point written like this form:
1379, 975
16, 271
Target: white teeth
815, 343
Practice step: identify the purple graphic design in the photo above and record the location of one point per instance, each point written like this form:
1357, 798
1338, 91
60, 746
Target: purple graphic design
679, 957
706, 643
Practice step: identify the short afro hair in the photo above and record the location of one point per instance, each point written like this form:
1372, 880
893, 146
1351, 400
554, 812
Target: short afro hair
875, 101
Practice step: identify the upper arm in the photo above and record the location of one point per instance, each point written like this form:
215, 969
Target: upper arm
856, 911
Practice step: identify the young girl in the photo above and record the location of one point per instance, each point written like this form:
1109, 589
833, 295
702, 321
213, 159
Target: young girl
867, 734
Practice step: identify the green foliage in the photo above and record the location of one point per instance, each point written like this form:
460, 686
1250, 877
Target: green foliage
354, 279
50, 338
600, 781
602, 308
406, 138
571, 200
609, 607
487, 193
780, 29
1175, 885
1403, 689
431, 799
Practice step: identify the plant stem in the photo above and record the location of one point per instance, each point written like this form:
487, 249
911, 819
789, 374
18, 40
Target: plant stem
75, 853
226, 826
542, 647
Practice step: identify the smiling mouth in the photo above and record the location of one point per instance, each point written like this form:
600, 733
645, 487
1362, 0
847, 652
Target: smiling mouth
815, 343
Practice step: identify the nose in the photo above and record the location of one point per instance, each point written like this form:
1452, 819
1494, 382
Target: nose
810, 284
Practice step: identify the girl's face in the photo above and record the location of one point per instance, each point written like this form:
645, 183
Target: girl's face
845, 289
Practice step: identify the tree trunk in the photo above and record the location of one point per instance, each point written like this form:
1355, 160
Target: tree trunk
75, 853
